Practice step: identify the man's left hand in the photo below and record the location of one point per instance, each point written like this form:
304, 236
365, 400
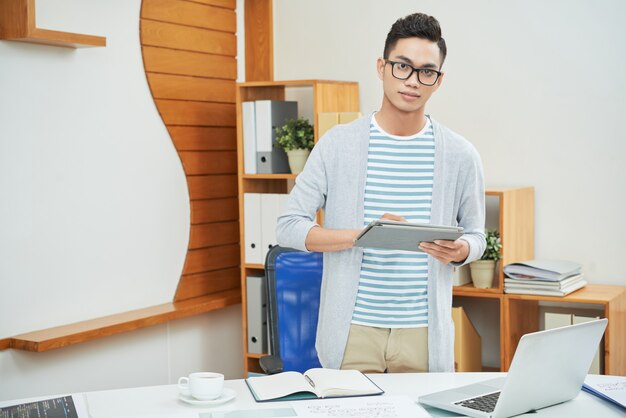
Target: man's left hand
446, 251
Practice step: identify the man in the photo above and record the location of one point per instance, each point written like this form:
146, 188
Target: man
390, 310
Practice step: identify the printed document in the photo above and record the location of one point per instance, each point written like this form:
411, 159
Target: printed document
610, 388
366, 407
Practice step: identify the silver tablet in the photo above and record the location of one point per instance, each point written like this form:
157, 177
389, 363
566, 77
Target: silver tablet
394, 235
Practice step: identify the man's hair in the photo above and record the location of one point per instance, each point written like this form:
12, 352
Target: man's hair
417, 25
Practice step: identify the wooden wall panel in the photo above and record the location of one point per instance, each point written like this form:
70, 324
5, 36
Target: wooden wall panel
186, 38
211, 187
208, 162
229, 4
200, 138
212, 258
194, 285
214, 210
188, 13
176, 112
259, 40
213, 234
172, 61
189, 50
166, 86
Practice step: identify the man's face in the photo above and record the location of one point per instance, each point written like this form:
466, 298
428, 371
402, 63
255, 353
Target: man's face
409, 95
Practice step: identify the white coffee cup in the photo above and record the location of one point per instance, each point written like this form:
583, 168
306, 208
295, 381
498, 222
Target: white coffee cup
204, 386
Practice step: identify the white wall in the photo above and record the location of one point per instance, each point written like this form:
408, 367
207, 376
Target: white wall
94, 211
151, 356
537, 86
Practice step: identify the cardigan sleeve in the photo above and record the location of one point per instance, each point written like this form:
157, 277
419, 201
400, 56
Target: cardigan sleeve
471, 215
306, 198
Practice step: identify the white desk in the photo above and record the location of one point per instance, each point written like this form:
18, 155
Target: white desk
161, 401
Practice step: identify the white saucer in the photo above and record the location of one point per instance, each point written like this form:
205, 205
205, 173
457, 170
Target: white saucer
227, 395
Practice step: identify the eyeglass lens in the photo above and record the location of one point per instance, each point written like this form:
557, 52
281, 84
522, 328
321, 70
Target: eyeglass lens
403, 71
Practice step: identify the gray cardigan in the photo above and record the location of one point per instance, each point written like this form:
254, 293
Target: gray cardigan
334, 179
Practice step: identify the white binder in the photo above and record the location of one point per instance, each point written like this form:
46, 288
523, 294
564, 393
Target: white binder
249, 137
256, 314
271, 114
252, 228
269, 214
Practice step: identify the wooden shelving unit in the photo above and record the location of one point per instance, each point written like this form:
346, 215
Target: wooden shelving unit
521, 316
18, 23
511, 211
328, 96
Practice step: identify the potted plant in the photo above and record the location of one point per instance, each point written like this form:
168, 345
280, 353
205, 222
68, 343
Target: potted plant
296, 138
483, 270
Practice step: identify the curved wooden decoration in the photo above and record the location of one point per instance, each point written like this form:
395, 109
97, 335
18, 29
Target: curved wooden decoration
189, 51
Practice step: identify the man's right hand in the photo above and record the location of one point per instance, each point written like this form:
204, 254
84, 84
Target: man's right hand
392, 217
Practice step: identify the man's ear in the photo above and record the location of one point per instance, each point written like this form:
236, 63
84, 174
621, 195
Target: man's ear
380, 67
440, 80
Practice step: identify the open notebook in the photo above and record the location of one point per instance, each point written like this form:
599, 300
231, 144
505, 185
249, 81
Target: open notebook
312, 384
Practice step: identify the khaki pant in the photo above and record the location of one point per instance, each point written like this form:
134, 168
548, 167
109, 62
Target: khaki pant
376, 350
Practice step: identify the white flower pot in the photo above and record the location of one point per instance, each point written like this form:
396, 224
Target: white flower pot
482, 272
297, 159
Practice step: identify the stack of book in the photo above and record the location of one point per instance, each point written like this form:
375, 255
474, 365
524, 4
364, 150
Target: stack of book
543, 277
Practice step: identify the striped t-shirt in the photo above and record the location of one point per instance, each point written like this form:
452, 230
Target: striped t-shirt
393, 284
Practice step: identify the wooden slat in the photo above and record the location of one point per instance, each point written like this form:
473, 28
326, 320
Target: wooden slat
213, 234
615, 337
521, 317
190, 14
128, 321
176, 112
172, 61
6, 342
213, 258
197, 138
229, 4
17, 18
209, 162
167, 86
214, 210
194, 285
209, 187
186, 38
259, 40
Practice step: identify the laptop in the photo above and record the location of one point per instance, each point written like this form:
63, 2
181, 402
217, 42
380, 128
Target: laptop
548, 367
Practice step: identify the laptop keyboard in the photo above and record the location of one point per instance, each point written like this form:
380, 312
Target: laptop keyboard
484, 403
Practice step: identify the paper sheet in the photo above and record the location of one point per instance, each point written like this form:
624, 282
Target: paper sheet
361, 407
69, 406
612, 388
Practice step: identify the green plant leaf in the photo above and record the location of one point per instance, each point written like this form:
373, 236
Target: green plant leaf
493, 249
295, 134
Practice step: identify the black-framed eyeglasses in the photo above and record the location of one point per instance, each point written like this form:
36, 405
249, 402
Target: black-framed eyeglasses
402, 71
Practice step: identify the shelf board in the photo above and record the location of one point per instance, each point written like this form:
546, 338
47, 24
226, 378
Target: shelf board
286, 176
257, 356
79, 332
255, 266
292, 83
590, 294
63, 39
17, 23
470, 290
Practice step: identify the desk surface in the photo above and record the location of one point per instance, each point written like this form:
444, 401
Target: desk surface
161, 401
